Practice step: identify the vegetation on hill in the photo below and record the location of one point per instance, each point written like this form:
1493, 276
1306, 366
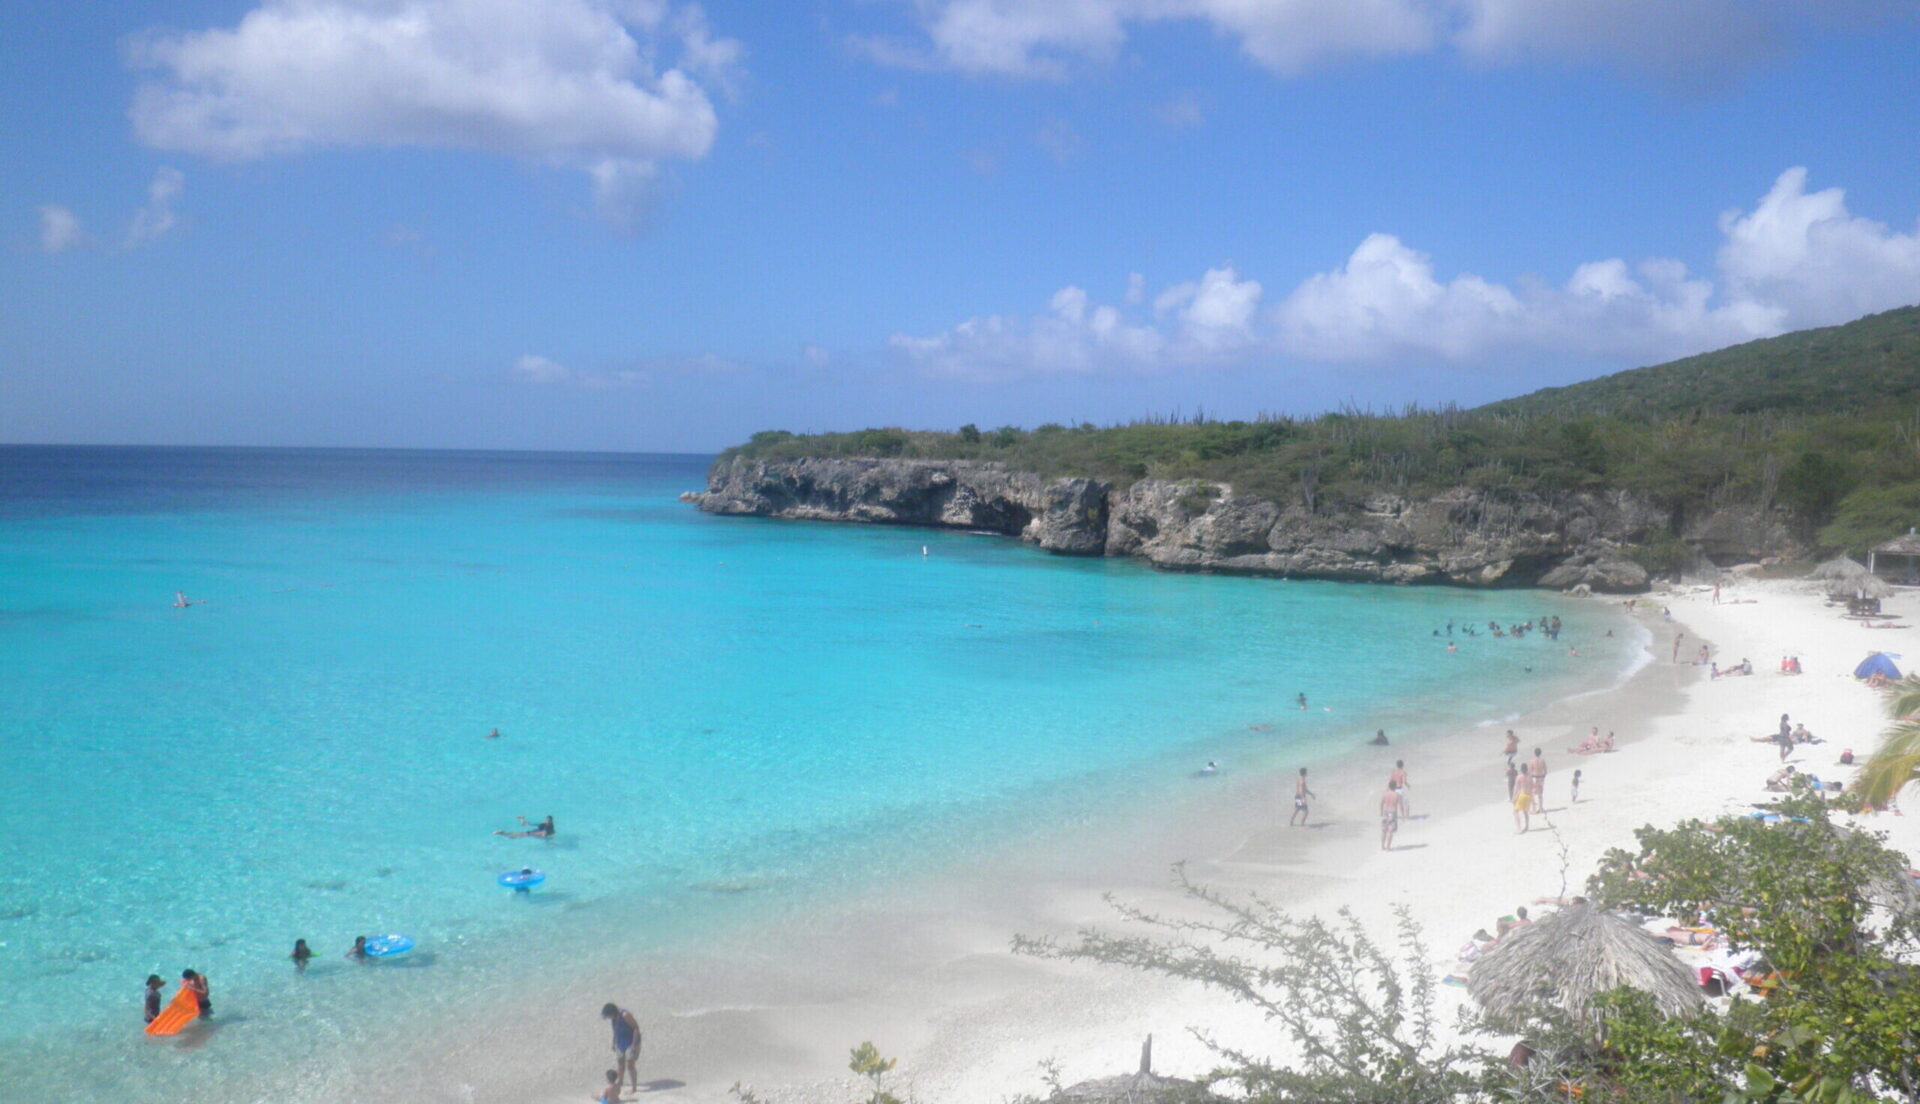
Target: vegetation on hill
1824, 424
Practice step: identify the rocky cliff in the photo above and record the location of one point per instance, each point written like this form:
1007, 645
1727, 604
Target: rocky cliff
1463, 537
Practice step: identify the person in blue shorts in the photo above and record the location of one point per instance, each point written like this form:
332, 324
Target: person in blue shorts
626, 1043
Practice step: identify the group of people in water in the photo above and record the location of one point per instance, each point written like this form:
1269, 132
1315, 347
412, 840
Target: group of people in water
1548, 627
192, 981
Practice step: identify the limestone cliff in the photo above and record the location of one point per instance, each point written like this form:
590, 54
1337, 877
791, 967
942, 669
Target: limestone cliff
1463, 537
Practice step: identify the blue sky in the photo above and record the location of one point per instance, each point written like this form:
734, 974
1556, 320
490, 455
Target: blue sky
650, 225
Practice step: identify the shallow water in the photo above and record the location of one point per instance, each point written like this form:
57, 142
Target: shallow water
723, 716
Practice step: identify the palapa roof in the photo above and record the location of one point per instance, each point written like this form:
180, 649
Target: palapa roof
1567, 959
1840, 567
1140, 1087
1866, 586
1906, 544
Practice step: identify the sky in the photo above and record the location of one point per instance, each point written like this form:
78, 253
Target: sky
651, 225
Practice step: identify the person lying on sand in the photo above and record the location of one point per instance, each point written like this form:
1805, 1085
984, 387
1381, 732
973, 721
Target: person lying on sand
1704, 938
1883, 625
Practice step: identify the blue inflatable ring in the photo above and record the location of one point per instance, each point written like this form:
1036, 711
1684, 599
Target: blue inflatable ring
386, 946
522, 879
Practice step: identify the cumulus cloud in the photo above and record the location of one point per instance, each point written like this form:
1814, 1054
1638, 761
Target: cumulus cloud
153, 220
540, 371
59, 229
1689, 41
1797, 259
608, 87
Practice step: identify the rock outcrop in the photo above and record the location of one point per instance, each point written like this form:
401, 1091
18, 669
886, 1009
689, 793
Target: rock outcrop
1462, 537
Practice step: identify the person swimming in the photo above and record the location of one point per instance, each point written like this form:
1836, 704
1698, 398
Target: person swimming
542, 830
358, 952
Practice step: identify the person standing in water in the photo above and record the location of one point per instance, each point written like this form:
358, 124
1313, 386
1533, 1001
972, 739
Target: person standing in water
154, 985
201, 993
626, 1043
1300, 795
301, 955
1301, 699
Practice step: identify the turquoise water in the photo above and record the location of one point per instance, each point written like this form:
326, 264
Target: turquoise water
721, 714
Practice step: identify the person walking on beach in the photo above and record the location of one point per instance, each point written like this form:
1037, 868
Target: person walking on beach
154, 985
1300, 795
1784, 738
1537, 775
1575, 800
626, 1043
1397, 780
1390, 805
1676, 646
1513, 777
1523, 810
1513, 745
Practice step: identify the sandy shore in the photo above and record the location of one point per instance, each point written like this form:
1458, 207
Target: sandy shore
925, 971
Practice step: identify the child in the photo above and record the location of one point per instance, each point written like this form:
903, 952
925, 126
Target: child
1576, 789
610, 1094
154, 985
301, 955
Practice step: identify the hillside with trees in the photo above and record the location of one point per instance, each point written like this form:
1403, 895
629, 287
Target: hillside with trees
1820, 428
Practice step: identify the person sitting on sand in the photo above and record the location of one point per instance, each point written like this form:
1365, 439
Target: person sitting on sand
542, 830
1779, 781
1877, 681
610, 1092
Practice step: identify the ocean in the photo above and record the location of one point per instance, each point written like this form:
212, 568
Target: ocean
726, 718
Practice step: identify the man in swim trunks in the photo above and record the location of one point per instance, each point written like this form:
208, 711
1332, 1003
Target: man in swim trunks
1397, 781
626, 1043
1513, 745
1300, 795
198, 983
1537, 776
1389, 816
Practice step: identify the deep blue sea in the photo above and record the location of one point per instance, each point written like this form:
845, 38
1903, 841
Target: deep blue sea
717, 712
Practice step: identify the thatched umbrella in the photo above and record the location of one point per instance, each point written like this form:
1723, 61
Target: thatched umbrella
1141, 1087
1863, 586
1567, 959
1840, 567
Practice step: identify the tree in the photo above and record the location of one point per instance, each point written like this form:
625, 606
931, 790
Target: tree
1896, 761
1359, 1017
1833, 914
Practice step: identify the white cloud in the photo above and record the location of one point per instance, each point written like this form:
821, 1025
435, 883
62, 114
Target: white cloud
533, 368
1058, 138
59, 229
574, 83
1683, 41
1797, 259
153, 220
539, 370
1181, 112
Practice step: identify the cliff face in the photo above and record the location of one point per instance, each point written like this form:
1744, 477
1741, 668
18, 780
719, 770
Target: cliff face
1462, 537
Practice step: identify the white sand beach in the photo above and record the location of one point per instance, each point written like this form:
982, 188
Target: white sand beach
926, 972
